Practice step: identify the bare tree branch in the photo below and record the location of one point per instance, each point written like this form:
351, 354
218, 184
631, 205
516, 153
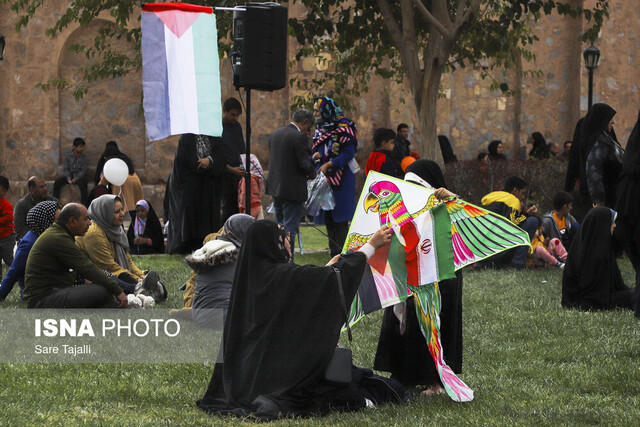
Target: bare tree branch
405, 40
390, 22
408, 29
431, 19
472, 8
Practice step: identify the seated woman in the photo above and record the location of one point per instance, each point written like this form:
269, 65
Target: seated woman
215, 265
405, 353
591, 278
106, 244
282, 328
145, 232
39, 218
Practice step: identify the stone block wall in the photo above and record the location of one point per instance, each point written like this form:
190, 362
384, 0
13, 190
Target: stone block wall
36, 127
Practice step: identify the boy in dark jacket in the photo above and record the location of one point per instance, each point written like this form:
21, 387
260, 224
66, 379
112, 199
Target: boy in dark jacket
559, 223
381, 159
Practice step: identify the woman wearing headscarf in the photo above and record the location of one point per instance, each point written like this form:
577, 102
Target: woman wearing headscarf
495, 151
39, 218
334, 149
145, 232
215, 265
600, 157
132, 187
540, 148
628, 206
194, 192
106, 243
591, 278
402, 348
282, 328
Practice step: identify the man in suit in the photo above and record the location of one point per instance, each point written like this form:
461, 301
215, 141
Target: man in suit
290, 167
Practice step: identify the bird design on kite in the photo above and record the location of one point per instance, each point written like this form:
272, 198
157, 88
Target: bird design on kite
475, 232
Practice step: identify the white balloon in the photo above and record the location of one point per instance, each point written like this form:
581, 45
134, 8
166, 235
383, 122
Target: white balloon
116, 171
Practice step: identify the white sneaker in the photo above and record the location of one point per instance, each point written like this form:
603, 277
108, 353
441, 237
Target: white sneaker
146, 301
134, 301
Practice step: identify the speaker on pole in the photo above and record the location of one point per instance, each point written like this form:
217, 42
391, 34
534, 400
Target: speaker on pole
259, 56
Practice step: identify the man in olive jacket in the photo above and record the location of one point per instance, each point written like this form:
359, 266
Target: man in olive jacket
54, 262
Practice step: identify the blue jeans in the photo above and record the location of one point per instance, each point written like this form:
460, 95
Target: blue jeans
127, 287
289, 214
530, 225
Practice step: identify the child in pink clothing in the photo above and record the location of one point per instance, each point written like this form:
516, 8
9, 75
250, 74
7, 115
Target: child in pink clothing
546, 251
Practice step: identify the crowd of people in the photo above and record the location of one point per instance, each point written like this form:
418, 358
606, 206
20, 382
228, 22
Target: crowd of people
78, 256
244, 280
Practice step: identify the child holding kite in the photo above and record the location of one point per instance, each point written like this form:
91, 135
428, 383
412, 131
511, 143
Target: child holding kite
402, 348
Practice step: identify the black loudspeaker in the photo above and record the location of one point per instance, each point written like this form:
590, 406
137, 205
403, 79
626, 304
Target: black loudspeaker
259, 57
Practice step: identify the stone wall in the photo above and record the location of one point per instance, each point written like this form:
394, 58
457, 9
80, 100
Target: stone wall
37, 127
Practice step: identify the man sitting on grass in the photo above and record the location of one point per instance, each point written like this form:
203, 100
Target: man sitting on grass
54, 262
37, 193
509, 204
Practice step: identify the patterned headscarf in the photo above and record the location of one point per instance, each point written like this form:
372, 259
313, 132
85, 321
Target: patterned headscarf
41, 216
333, 132
332, 115
140, 224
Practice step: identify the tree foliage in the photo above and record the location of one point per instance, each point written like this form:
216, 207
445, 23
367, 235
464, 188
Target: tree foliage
358, 35
416, 40
108, 59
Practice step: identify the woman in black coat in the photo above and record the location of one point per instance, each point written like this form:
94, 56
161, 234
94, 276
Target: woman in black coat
628, 206
600, 156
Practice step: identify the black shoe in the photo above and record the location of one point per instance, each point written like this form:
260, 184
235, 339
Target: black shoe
152, 287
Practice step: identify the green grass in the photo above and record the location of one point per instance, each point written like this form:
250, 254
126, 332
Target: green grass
314, 238
528, 361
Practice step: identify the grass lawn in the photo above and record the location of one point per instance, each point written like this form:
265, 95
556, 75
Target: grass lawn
528, 361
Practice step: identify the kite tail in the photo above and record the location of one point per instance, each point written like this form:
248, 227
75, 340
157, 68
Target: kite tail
427, 298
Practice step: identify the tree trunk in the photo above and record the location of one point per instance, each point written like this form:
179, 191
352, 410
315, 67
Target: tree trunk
516, 150
436, 56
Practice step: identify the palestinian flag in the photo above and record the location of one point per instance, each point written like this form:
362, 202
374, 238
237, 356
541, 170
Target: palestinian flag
180, 70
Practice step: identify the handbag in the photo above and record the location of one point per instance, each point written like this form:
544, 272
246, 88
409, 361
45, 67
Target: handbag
338, 372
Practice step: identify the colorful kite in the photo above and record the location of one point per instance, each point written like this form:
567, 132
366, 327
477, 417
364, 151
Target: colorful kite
180, 70
431, 239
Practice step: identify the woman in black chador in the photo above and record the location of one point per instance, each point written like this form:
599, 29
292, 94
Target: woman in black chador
194, 192
591, 278
495, 151
145, 231
406, 354
540, 148
600, 157
628, 206
281, 330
